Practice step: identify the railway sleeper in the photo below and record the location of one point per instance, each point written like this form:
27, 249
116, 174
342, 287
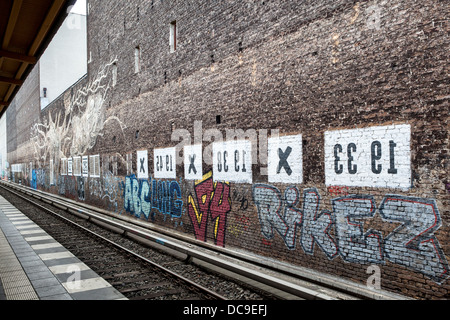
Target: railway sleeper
100, 252
124, 274
131, 280
100, 262
146, 287
104, 268
158, 294
148, 275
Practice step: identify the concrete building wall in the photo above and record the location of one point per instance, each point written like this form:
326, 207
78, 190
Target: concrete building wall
343, 107
3, 149
65, 60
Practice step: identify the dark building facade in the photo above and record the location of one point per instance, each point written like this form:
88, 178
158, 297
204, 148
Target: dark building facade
310, 135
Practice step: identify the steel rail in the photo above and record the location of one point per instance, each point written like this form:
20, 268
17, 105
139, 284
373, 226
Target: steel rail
118, 246
319, 289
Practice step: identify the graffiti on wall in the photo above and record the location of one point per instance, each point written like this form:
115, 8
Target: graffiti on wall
210, 204
80, 188
239, 226
33, 182
412, 244
106, 188
278, 212
67, 186
74, 130
338, 190
375, 156
141, 196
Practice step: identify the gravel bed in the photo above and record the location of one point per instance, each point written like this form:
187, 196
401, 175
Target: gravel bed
229, 288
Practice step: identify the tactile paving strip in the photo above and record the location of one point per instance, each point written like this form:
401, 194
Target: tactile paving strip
15, 282
33, 266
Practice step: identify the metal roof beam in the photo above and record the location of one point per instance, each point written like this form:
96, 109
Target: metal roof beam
43, 31
16, 82
17, 57
12, 23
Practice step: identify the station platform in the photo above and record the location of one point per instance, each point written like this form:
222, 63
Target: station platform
34, 266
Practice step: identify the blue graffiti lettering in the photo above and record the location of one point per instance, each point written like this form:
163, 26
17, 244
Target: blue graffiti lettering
141, 196
34, 179
412, 244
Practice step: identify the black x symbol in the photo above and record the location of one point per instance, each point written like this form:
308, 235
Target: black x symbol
142, 165
192, 166
283, 160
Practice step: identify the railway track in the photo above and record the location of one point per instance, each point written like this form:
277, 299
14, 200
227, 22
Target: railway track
120, 261
128, 266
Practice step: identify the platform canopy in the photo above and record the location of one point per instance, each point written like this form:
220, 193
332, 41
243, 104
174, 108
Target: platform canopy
26, 29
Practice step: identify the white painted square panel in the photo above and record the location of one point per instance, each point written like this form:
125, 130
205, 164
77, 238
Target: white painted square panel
285, 159
372, 157
232, 161
85, 166
193, 162
142, 164
164, 163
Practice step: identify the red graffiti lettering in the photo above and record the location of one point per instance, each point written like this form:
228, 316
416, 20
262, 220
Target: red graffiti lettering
337, 190
212, 202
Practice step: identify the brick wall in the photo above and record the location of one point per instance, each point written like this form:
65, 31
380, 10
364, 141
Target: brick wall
344, 106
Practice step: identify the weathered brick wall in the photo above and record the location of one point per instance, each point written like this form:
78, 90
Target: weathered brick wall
22, 114
344, 105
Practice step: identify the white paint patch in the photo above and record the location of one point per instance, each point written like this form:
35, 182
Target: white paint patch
56, 255
46, 246
70, 166
66, 268
371, 157
37, 238
193, 162
85, 166
232, 161
142, 164
85, 285
164, 163
285, 159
